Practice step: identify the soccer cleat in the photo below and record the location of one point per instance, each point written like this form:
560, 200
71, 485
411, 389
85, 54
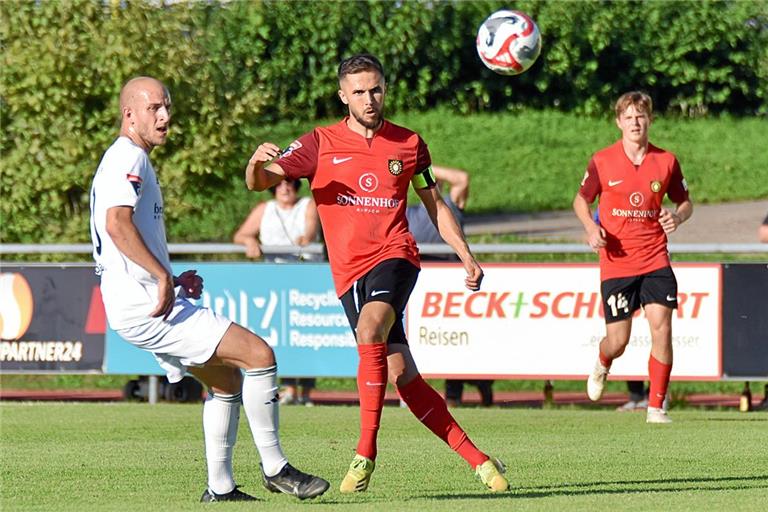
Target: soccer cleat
656, 415
234, 495
359, 475
491, 473
633, 405
596, 382
294, 482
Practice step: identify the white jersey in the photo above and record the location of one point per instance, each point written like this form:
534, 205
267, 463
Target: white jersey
283, 227
125, 177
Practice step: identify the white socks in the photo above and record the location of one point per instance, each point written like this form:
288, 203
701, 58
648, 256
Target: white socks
221, 415
260, 400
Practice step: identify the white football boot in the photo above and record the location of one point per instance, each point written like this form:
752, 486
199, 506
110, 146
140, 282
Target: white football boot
596, 381
656, 415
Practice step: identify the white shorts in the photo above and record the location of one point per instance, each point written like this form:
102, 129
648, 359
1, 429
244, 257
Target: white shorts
188, 337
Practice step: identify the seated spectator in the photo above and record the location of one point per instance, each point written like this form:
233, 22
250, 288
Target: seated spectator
291, 221
287, 220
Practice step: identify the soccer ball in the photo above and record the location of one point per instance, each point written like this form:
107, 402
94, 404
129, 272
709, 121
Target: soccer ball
508, 42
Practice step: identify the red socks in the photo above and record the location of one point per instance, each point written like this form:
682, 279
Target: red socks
429, 407
658, 372
371, 385
605, 361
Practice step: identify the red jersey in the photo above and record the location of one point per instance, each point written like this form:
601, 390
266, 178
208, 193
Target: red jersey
360, 186
629, 207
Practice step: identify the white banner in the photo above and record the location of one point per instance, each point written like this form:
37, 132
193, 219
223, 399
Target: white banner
545, 321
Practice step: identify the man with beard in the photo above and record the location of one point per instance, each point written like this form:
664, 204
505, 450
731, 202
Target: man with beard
359, 170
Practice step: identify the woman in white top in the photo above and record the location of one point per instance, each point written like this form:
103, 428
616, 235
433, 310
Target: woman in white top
293, 222
287, 220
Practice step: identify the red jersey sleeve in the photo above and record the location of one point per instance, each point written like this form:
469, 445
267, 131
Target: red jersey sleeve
677, 190
423, 158
590, 185
299, 159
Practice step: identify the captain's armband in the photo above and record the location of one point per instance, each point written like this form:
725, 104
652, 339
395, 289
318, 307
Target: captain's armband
424, 179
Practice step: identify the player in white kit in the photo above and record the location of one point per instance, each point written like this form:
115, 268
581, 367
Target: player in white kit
149, 307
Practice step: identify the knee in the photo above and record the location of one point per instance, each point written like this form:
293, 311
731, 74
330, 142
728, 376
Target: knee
228, 381
259, 354
370, 334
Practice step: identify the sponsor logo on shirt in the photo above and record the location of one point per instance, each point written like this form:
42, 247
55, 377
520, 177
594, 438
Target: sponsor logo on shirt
368, 182
636, 199
159, 209
368, 202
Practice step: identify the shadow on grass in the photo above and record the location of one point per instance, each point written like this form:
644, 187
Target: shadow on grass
734, 483
765, 418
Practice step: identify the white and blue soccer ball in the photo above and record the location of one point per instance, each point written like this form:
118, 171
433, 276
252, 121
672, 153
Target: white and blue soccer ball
508, 42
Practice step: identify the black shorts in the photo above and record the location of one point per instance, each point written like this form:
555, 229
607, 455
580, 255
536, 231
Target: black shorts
623, 296
390, 281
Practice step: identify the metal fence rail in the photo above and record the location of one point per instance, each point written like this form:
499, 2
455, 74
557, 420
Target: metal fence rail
214, 248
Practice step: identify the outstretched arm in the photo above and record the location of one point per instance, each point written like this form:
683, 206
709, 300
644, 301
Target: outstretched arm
450, 231
257, 176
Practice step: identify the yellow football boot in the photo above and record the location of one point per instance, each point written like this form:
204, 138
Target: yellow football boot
358, 476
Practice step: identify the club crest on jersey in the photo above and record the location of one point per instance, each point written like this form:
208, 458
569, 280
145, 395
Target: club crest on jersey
655, 186
395, 167
291, 148
135, 182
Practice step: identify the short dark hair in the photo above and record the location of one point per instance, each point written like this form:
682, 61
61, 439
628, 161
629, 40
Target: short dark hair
358, 63
296, 186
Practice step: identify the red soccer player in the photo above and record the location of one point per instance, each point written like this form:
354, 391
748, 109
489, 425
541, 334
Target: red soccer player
360, 170
631, 177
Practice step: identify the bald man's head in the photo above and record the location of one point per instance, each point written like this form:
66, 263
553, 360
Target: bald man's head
138, 87
145, 107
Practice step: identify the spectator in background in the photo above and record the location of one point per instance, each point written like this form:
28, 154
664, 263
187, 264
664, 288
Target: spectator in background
638, 397
424, 232
290, 221
762, 232
286, 220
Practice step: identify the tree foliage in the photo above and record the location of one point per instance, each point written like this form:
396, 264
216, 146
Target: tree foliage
234, 68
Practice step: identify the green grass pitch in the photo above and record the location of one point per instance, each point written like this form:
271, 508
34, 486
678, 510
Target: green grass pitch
140, 457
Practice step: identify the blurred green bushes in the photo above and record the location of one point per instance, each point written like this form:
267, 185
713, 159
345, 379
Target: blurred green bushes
235, 68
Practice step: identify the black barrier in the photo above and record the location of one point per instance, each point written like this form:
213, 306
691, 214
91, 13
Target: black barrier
51, 320
745, 321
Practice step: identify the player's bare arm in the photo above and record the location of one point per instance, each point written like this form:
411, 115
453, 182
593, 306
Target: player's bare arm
458, 181
258, 177
311, 222
670, 221
443, 219
248, 233
595, 233
128, 241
